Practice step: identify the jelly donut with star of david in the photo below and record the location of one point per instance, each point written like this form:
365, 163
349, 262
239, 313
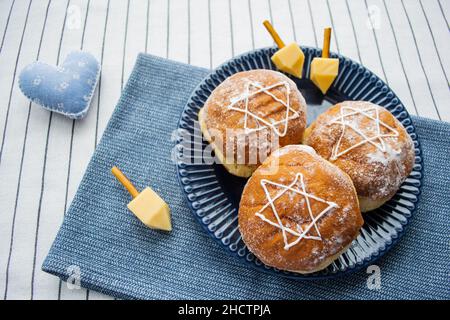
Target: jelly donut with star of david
249, 115
367, 142
299, 212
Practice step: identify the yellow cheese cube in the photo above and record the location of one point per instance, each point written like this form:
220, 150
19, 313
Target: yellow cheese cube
153, 211
323, 72
290, 59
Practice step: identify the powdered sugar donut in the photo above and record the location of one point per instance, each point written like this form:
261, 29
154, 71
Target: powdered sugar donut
369, 144
250, 114
299, 212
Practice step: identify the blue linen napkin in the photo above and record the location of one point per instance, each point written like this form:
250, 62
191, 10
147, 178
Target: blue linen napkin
119, 256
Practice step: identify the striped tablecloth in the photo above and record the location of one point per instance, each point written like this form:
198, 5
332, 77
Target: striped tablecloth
43, 155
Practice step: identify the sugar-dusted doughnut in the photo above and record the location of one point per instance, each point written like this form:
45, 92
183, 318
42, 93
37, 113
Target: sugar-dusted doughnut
369, 144
250, 114
299, 212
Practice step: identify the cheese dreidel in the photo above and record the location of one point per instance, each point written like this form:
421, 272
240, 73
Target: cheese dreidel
325, 69
289, 58
147, 205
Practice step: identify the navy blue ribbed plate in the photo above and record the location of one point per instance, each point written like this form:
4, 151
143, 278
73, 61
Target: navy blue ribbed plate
213, 194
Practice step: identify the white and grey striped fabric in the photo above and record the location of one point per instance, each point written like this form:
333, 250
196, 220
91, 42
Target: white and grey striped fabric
43, 155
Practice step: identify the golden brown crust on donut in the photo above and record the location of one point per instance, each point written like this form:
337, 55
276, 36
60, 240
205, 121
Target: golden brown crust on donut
247, 148
376, 174
338, 227
240, 170
366, 204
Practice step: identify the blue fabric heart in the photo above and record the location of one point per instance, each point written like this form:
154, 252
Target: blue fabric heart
66, 89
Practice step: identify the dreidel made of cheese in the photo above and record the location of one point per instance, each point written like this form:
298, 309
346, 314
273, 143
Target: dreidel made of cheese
325, 69
146, 205
288, 58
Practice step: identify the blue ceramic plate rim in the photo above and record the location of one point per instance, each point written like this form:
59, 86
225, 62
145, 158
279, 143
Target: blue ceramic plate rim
374, 256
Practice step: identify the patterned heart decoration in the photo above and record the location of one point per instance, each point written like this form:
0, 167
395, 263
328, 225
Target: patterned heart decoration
66, 89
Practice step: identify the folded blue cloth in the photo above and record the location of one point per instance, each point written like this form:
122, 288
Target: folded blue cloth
119, 256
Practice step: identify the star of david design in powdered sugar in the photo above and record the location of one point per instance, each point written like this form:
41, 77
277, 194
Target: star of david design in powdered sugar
374, 137
298, 187
260, 121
